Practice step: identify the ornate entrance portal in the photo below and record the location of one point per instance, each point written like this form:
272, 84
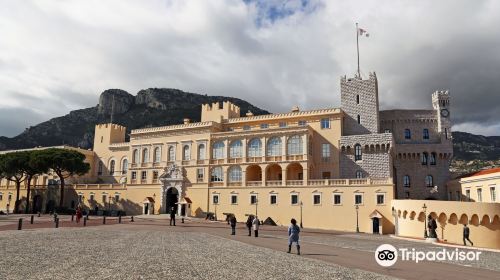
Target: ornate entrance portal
173, 188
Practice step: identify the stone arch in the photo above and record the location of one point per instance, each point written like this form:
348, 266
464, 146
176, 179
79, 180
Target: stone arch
273, 172
422, 217
433, 215
496, 220
463, 219
442, 219
377, 148
294, 171
474, 220
253, 173
405, 213
486, 220
453, 219
412, 215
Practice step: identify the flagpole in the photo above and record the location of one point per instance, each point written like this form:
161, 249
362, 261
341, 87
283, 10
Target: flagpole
357, 47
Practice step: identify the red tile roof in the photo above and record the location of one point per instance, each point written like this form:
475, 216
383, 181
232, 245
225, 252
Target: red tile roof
483, 172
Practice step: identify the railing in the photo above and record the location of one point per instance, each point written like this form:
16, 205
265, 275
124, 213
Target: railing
273, 158
133, 165
185, 162
217, 161
274, 183
200, 161
234, 184
156, 164
97, 186
294, 182
144, 164
155, 181
254, 183
254, 159
133, 181
144, 181
217, 184
235, 160
295, 157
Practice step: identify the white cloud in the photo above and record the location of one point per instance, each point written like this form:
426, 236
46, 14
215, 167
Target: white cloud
77, 49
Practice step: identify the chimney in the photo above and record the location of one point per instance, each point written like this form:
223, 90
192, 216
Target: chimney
295, 109
249, 114
186, 121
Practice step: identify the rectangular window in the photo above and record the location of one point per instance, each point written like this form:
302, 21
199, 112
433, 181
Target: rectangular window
302, 123
215, 199
1, 196
467, 194
380, 199
80, 197
282, 124
264, 126
253, 199
459, 196
155, 175
407, 134
325, 152
425, 134
144, 175
326, 175
246, 127
91, 197
479, 195
104, 198
294, 199
325, 123
273, 199
337, 199
200, 173
234, 199
9, 197
358, 199
317, 199
134, 175
117, 197
493, 194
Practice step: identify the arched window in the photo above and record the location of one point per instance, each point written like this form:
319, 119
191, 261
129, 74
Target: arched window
425, 134
171, 153
424, 158
358, 155
157, 155
186, 153
407, 134
125, 166
235, 174
406, 181
433, 159
112, 167
429, 182
135, 156
145, 155
235, 149
254, 148
218, 150
274, 146
99, 168
359, 174
217, 175
201, 152
295, 145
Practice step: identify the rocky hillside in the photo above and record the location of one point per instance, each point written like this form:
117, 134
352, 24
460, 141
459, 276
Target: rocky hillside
150, 107
474, 152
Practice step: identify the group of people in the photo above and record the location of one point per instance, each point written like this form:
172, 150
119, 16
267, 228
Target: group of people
253, 223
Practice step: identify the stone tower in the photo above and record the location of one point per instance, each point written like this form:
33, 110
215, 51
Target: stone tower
359, 101
441, 103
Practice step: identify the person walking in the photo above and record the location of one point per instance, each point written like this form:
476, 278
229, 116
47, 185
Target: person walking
466, 235
232, 221
249, 224
293, 236
172, 216
256, 224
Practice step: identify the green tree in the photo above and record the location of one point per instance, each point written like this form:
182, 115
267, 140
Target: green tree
64, 163
13, 166
37, 165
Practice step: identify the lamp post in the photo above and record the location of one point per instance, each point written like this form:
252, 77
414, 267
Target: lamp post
215, 204
425, 214
301, 204
357, 220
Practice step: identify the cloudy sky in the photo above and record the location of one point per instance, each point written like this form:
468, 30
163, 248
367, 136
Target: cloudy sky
57, 56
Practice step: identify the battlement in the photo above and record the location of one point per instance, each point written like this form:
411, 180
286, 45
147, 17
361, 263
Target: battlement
111, 126
218, 112
441, 93
108, 133
371, 76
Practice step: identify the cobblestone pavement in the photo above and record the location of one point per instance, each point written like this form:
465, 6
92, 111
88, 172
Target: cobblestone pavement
118, 252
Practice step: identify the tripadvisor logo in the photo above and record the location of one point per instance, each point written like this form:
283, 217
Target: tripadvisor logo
387, 255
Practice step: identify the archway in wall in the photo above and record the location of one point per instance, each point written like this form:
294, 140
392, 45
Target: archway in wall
253, 173
273, 172
172, 198
294, 171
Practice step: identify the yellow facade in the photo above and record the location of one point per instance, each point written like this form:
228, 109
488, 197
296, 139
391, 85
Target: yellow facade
481, 186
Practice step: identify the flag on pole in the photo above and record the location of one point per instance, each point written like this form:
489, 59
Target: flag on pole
362, 32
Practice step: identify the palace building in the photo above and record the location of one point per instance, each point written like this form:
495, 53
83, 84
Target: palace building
327, 167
